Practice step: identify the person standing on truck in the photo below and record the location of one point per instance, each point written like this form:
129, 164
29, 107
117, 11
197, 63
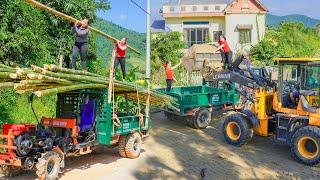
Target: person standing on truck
121, 48
81, 29
225, 50
170, 74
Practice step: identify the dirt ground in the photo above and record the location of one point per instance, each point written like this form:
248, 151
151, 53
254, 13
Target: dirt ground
174, 151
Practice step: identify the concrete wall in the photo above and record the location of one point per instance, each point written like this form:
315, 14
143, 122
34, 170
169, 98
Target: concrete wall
232, 33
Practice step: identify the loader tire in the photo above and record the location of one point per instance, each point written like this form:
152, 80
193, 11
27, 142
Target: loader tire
202, 119
48, 166
133, 145
305, 145
236, 130
122, 146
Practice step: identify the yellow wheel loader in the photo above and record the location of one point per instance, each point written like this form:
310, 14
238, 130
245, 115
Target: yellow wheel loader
288, 108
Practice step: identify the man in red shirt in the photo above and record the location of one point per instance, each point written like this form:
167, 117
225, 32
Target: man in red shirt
121, 48
226, 52
170, 74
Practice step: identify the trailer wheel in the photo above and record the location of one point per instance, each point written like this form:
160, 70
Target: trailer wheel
133, 145
237, 130
48, 166
202, 119
305, 145
122, 146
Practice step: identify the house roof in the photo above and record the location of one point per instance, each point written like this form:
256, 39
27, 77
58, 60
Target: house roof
236, 6
158, 26
196, 2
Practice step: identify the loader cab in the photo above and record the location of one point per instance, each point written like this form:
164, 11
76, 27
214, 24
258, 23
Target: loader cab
297, 76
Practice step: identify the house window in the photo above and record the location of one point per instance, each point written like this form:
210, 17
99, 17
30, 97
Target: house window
183, 8
217, 8
194, 8
216, 35
171, 9
206, 8
244, 36
196, 35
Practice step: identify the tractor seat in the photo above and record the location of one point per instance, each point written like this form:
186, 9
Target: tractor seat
306, 106
88, 115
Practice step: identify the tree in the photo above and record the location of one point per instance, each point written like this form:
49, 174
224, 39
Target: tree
288, 40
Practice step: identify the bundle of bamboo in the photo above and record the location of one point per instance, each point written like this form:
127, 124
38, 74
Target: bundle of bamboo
51, 79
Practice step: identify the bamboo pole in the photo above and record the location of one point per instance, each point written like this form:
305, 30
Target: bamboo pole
111, 74
71, 19
68, 88
55, 68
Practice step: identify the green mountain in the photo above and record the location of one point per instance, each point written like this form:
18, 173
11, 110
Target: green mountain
273, 20
135, 39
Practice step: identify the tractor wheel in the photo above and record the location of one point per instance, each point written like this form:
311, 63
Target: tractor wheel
133, 145
237, 130
24, 144
305, 145
48, 166
122, 146
202, 119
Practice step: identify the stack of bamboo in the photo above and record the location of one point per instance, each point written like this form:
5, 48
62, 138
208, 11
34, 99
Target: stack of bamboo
51, 79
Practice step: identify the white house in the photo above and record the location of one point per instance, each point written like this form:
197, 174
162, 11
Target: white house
241, 21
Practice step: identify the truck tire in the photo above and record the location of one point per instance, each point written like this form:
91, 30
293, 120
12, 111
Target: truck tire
305, 145
237, 130
133, 145
122, 146
48, 166
202, 119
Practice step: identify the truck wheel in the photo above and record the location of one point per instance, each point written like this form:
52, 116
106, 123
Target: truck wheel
48, 166
133, 145
202, 119
122, 146
237, 130
305, 145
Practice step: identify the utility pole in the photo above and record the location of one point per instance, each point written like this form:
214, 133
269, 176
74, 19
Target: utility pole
148, 49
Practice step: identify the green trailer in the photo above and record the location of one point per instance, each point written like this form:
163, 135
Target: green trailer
195, 104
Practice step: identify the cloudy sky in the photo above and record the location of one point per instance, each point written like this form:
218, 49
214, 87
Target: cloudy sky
126, 14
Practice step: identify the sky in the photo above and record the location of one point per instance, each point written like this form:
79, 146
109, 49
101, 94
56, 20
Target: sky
126, 14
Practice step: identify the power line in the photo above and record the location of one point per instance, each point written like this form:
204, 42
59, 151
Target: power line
145, 11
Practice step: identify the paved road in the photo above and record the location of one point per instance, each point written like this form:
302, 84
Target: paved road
174, 151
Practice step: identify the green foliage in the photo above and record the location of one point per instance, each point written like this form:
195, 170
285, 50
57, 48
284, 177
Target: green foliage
289, 40
167, 47
135, 39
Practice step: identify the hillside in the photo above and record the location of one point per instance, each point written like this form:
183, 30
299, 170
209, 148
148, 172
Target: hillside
273, 20
135, 39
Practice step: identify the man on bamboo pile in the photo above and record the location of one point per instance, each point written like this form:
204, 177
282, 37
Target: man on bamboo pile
81, 29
